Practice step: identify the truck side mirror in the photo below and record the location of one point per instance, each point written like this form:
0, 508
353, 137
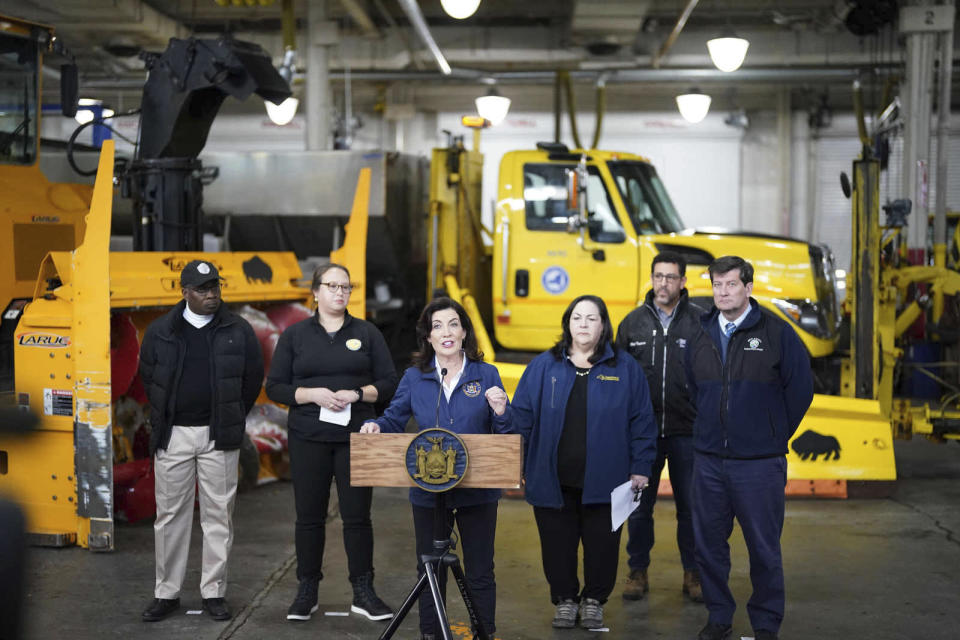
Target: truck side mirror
69, 89
573, 190
845, 184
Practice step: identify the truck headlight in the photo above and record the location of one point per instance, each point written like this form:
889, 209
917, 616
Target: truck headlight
805, 314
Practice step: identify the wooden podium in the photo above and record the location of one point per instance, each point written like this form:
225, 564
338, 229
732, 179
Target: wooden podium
495, 461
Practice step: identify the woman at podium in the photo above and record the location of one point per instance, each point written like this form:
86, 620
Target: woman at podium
449, 386
330, 369
584, 412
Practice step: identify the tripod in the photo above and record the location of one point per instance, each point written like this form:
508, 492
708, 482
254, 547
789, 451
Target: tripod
435, 565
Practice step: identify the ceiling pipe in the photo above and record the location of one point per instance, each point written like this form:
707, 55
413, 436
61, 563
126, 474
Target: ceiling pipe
415, 16
660, 76
677, 28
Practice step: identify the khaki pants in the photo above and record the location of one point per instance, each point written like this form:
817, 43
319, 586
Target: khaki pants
188, 461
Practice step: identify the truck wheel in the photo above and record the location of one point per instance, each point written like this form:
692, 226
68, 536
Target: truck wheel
249, 464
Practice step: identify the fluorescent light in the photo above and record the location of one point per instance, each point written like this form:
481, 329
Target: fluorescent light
460, 9
84, 116
727, 53
693, 106
281, 114
493, 106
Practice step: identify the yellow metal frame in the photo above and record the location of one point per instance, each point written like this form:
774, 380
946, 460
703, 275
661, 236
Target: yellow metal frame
62, 474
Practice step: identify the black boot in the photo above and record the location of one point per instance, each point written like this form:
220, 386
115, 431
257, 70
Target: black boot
365, 599
305, 603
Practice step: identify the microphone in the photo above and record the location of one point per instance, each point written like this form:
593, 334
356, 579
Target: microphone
443, 373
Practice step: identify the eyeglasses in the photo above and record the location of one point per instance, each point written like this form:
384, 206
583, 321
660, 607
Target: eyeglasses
333, 286
669, 277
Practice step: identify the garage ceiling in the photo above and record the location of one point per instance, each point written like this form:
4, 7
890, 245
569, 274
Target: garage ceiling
798, 47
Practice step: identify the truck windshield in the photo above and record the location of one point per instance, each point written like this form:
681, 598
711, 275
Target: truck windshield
645, 198
18, 100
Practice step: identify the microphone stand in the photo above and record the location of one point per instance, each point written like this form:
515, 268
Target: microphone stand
435, 567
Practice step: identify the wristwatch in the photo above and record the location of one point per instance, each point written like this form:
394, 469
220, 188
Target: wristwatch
359, 392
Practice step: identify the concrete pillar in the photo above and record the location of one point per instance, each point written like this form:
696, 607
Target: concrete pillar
918, 102
321, 34
801, 202
943, 143
784, 148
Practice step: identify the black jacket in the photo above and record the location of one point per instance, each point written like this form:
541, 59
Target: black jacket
750, 404
236, 374
306, 356
661, 354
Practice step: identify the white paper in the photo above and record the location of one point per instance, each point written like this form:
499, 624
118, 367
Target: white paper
195, 612
336, 417
336, 613
622, 504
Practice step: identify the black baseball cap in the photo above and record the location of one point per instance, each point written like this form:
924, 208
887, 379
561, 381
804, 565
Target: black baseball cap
198, 272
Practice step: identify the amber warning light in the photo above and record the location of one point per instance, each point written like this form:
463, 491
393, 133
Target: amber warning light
475, 122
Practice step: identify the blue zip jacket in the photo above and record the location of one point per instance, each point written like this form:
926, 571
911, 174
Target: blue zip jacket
749, 405
464, 413
621, 433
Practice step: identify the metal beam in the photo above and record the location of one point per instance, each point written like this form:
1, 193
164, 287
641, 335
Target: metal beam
359, 15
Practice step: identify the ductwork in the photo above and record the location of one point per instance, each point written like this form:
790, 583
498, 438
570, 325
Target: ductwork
603, 27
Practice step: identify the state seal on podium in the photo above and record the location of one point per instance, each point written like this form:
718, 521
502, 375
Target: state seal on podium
436, 460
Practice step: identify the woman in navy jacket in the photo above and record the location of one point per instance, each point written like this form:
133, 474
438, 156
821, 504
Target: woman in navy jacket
587, 422
470, 400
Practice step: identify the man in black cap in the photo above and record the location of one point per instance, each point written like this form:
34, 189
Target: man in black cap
202, 370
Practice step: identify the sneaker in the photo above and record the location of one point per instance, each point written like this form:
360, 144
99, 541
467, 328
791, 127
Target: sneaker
715, 632
305, 603
591, 614
565, 617
637, 585
217, 608
691, 585
160, 608
763, 634
366, 602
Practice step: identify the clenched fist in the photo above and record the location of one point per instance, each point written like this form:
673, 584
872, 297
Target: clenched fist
497, 399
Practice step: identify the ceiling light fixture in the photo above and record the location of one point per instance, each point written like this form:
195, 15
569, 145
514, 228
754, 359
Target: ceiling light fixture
281, 114
493, 106
693, 106
460, 9
727, 52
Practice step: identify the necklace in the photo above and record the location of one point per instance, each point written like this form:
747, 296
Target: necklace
583, 373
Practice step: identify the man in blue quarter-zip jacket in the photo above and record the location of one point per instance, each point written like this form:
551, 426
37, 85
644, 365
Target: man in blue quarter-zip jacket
750, 375
657, 334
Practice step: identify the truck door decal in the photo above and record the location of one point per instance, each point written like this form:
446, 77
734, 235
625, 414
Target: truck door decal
555, 280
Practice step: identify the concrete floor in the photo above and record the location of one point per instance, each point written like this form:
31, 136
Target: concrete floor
884, 569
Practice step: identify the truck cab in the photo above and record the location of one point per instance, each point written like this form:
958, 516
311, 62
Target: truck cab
543, 258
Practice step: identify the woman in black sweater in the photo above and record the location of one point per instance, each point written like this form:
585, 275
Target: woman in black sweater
330, 369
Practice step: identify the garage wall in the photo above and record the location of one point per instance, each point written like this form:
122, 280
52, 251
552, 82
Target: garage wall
835, 150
